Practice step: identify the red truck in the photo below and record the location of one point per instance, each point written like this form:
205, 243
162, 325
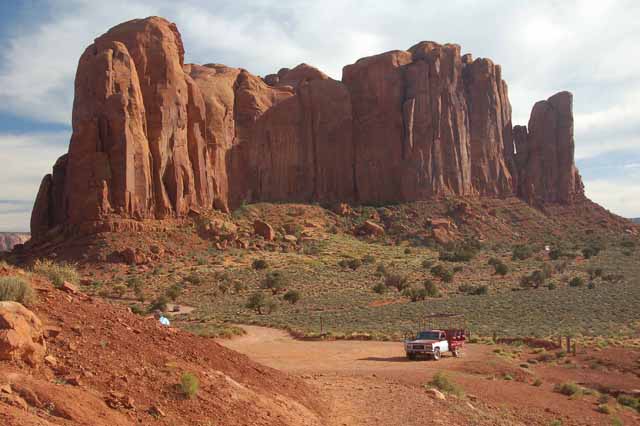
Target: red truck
432, 341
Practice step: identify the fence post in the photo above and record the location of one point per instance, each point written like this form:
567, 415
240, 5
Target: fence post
321, 326
495, 337
568, 344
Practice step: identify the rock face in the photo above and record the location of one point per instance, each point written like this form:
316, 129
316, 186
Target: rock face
21, 334
9, 239
547, 172
155, 138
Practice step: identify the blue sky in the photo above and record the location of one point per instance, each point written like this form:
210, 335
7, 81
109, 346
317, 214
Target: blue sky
587, 47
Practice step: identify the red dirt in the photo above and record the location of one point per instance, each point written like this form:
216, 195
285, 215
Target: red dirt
116, 355
372, 383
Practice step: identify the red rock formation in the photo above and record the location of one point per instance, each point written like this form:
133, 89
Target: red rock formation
545, 153
155, 138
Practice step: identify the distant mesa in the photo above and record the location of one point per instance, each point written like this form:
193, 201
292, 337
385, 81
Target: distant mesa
8, 240
156, 138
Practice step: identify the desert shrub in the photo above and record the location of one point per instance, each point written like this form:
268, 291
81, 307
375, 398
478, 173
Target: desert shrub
568, 388
442, 382
189, 385
259, 264
271, 305
551, 286
193, 278
604, 409
173, 292
522, 252
537, 382
381, 270
431, 289
379, 288
312, 248
473, 290
407, 250
595, 272
535, 279
427, 264
16, 289
628, 243
159, 304
629, 401
118, 290
239, 287
292, 296
613, 278
350, 263
576, 282
134, 282
366, 259
256, 302
458, 254
501, 269
415, 293
57, 273
396, 281
274, 281
137, 309
443, 273
589, 252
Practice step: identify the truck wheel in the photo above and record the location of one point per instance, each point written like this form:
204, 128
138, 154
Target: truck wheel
436, 354
412, 357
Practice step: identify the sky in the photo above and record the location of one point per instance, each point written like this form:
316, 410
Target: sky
590, 48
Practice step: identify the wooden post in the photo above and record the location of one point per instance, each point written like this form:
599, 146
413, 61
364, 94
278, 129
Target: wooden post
573, 350
495, 337
321, 326
568, 344
560, 341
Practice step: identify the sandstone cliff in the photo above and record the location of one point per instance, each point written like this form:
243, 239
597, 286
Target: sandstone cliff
155, 138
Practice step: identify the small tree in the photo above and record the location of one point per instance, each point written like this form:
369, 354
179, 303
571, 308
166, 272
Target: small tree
274, 281
173, 292
292, 296
501, 269
159, 304
256, 302
397, 281
379, 288
522, 252
576, 282
415, 294
259, 264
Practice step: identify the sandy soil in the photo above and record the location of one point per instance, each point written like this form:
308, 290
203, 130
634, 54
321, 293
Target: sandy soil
372, 383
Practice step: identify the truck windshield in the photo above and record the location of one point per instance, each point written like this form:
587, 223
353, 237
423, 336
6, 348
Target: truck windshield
428, 335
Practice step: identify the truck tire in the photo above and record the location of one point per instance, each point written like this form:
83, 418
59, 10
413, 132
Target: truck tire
411, 356
436, 354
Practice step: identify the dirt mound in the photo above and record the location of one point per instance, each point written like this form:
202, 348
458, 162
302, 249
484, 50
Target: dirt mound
108, 366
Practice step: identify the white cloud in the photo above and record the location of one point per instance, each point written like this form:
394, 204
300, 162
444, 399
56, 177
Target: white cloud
25, 159
620, 196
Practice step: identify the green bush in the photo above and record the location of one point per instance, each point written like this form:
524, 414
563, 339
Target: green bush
431, 289
16, 289
256, 302
443, 273
259, 264
576, 282
173, 292
381, 270
193, 278
189, 385
396, 281
415, 293
427, 264
535, 279
379, 288
368, 259
118, 291
274, 281
159, 304
522, 252
459, 254
442, 382
473, 290
568, 388
56, 273
292, 296
629, 401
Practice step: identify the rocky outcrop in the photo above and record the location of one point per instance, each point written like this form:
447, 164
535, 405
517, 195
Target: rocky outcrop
155, 138
545, 154
21, 334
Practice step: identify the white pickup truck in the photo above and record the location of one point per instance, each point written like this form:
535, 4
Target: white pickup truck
430, 343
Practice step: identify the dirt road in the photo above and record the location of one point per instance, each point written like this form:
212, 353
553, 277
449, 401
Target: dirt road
372, 383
